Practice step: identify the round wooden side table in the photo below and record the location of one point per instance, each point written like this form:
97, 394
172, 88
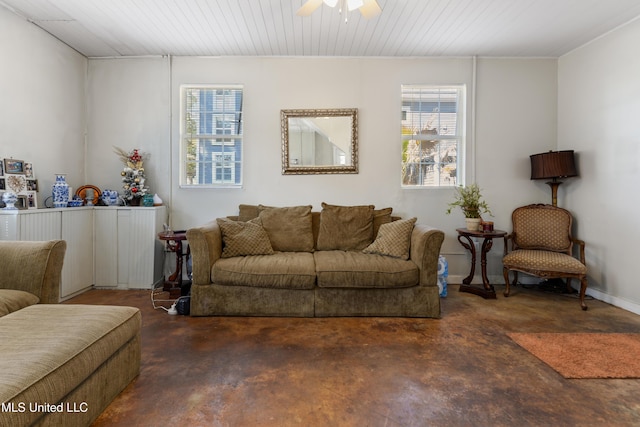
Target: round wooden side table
486, 291
174, 239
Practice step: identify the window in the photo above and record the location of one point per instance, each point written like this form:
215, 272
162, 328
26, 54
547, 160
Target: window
432, 135
211, 135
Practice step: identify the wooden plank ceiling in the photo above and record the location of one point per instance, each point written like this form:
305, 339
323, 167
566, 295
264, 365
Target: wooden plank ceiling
524, 28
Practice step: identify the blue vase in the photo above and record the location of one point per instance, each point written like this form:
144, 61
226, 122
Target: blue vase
60, 191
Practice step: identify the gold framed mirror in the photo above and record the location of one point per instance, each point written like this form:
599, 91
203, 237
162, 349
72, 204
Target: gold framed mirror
321, 141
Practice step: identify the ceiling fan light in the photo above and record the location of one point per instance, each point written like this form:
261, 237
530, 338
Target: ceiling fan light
370, 9
330, 3
354, 4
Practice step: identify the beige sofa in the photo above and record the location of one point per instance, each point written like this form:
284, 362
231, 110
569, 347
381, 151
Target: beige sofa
342, 261
60, 364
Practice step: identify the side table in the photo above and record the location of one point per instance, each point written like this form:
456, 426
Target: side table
487, 290
174, 239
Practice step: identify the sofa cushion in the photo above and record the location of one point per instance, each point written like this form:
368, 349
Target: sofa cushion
287, 270
243, 238
248, 212
393, 239
289, 228
50, 349
380, 216
345, 227
13, 300
351, 269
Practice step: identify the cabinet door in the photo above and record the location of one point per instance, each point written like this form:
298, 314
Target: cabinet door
77, 230
41, 226
139, 250
106, 247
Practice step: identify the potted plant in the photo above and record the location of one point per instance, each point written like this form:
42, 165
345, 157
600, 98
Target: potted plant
469, 200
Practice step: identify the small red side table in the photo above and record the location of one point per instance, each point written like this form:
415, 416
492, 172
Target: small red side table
487, 290
174, 239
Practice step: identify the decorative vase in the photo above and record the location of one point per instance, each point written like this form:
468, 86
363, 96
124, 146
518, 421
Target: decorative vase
9, 198
473, 224
60, 191
147, 200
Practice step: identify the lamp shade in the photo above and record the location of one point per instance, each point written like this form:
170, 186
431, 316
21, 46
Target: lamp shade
553, 164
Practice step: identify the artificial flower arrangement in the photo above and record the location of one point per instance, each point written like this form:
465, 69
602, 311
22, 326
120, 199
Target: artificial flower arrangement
133, 176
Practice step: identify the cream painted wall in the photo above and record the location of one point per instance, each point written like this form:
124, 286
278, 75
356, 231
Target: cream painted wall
128, 107
598, 107
42, 103
129, 102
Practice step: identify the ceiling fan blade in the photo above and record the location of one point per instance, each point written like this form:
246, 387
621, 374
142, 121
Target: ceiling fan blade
370, 9
308, 8
354, 4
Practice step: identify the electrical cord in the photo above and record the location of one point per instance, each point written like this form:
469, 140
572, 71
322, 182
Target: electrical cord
171, 310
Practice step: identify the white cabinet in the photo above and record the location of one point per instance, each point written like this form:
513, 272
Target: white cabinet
75, 226
106, 246
128, 252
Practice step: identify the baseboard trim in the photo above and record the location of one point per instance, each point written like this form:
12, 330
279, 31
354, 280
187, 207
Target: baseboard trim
498, 281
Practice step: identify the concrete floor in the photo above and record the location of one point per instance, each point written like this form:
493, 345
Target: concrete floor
461, 370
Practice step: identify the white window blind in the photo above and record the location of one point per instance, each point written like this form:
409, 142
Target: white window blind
432, 135
211, 135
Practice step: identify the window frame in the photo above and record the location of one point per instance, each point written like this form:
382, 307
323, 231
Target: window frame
459, 137
216, 139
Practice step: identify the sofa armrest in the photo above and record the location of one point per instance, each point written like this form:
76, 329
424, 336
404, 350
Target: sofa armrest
205, 244
34, 267
425, 250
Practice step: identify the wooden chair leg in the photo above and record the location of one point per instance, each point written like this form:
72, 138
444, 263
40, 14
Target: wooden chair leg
505, 272
569, 288
583, 290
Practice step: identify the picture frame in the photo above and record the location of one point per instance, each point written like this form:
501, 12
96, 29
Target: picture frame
1, 168
14, 166
3, 185
28, 170
22, 202
16, 183
32, 200
32, 185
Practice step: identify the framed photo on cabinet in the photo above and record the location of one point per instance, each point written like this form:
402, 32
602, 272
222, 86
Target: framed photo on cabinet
13, 166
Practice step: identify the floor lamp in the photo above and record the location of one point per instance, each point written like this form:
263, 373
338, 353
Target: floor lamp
553, 165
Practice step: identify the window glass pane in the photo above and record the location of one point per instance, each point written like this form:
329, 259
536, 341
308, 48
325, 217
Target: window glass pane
431, 135
212, 135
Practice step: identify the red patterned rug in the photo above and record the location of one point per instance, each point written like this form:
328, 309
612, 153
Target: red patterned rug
585, 355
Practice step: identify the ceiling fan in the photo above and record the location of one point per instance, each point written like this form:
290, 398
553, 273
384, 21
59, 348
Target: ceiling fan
368, 8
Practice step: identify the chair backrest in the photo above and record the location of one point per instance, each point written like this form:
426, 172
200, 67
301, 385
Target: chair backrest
542, 227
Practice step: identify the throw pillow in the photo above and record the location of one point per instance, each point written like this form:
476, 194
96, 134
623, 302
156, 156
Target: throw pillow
347, 228
394, 239
243, 238
289, 228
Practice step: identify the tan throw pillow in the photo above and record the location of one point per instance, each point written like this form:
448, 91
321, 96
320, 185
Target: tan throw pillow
346, 228
243, 238
289, 228
394, 239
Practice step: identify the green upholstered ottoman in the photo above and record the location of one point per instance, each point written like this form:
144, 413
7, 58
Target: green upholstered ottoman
63, 364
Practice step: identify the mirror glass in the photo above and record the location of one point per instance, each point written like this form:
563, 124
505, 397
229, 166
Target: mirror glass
319, 141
